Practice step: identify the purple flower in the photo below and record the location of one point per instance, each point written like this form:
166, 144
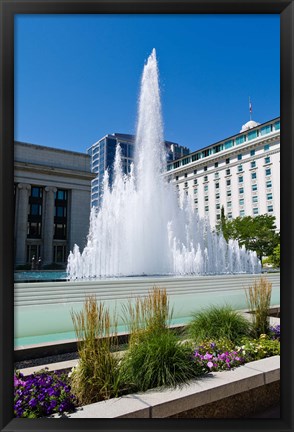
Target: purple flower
210, 364
207, 356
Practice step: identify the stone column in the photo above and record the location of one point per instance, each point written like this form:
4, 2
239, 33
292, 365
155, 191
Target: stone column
22, 223
48, 228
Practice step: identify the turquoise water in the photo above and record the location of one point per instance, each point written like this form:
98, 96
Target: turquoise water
70, 336
38, 276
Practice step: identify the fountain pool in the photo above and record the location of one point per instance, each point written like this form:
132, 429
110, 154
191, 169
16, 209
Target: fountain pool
42, 309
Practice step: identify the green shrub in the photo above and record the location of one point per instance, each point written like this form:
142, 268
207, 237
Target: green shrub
96, 376
256, 349
218, 322
259, 300
155, 357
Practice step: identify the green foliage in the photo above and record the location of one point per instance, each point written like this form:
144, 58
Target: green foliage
256, 349
218, 322
259, 300
155, 357
255, 233
275, 258
97, 375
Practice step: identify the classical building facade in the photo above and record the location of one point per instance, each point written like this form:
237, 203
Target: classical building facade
240, 173
102, 155
52, 192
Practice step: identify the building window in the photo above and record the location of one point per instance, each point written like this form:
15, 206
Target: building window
216, 185
265, 130
195, 171
269, 196
206, 198
253, 175
229, 193
216, 175
205, 178
267, 160
59, 254
33, 250
252, 135
228, 182
239, 157
205, 188
266, 147
229, 144
186, 184
218, 216
185, 161
60, 217
195, 181
268, 172
240, 139
242, 213
230, 215
216, 164
241, 201
228, 171
269, 184
196, 201
195, 191
34, 228
240, 179
255, 199
217, 196
277, 125
186, 175
227, 161
253, 164
254, 187
252, 152
240, 168
206, 208
241, 190
177, 178
229, 204
217, 206
205, 168
270, 209
255, 211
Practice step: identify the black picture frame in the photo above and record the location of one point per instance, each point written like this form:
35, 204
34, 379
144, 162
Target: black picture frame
8, 8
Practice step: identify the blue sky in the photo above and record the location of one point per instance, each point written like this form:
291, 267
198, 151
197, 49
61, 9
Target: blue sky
77, 77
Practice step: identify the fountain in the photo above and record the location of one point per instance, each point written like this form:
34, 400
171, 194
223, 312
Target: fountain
141, 228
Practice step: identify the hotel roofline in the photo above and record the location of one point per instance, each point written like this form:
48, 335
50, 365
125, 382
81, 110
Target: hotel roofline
232, 137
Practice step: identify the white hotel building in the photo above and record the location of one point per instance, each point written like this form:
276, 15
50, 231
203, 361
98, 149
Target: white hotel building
240, 173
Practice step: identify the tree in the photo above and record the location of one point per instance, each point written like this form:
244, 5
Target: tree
275, 258
255, 233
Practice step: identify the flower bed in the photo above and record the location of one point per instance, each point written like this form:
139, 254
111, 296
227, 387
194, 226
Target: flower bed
218, 339
45, 393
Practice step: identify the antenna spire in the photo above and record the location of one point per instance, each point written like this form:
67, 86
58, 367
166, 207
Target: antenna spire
250, 109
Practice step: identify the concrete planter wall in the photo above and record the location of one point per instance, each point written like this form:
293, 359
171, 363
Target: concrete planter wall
256, 382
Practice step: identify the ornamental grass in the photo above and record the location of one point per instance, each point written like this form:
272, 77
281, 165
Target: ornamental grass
217, 322
155, 357
259, 299
96, 376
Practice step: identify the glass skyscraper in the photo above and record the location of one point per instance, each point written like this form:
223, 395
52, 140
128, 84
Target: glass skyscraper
103, 153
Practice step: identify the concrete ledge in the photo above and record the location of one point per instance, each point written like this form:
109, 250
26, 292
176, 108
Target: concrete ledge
161, 403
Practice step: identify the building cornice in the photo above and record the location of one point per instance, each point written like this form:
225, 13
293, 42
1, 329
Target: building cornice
45, 169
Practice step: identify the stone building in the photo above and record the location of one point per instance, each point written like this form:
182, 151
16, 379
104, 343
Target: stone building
52, 193
240, 173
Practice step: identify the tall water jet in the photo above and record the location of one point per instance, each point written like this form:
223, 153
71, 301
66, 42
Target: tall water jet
141, 227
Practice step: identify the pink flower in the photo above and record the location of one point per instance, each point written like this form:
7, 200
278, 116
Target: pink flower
210, 364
